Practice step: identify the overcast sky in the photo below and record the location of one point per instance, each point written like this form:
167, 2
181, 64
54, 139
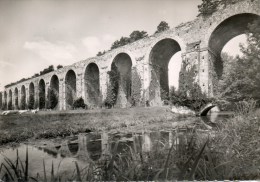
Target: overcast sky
37, 33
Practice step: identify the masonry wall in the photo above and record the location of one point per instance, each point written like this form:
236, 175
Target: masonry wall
193, 38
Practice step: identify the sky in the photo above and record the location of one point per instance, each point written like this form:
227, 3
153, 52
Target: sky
37, 33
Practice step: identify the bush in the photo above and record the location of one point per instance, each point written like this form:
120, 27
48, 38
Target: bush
79, 103
52, 99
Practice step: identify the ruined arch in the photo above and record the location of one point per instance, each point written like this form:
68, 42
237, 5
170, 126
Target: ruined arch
224, 32
10, 100
42, 94
92, 84
159, 59
53, 95
70, 89
23, 98
16, 98
121, 78
31, 100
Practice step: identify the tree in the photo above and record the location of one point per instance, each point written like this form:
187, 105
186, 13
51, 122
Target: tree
59, 66
162, 27
118, 43
243, 79
136, 35
79, 103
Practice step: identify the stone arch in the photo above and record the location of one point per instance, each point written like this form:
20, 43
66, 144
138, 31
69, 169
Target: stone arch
159, 58
10, 100
226, 30
53, 95
23, 98
1, 100
31, 100
16, 98
70, 89
5, 100
120, 77
92, 84
42, 94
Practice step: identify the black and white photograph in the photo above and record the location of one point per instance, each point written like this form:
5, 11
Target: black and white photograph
129, 90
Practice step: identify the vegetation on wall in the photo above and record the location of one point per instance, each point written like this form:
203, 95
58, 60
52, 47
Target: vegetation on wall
241, 77
163, 26
79, 103
208, 7
112, 88
136, 98
52, 99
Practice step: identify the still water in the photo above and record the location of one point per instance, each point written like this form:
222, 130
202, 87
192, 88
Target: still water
92, 147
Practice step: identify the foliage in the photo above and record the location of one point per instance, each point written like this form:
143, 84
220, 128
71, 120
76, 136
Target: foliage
31, 101
23, 103
136, 88
79, 103
41, 101
10, 105
47, 70
208, 7
113, 85
4, 106
241, 79
59, 66
163, 26
101, 53
52, 99
134, 36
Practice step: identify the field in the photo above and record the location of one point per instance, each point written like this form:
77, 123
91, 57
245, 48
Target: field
18, 128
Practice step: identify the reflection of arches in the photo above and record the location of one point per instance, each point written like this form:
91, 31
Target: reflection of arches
224, 32
70, 88
121, 78
10, 100
92, 84
73, 147
23, 98
94, 146
41, 94
54, 92
16, 98
159, 58
31, 96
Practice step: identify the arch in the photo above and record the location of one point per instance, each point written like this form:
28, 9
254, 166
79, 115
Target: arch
70, 88
5, 101
159, 59
92, 84
1, 100
16, 98
23, 98
226, 30
42, 94
53, 93
120, 78
31, 100
94, 146
10, 100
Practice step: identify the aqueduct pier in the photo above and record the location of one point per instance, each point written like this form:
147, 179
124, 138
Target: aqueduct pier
144, 63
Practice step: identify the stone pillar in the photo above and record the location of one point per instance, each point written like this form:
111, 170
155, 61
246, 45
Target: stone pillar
62, 99
104, 81
36, 95
79, 85
47, 90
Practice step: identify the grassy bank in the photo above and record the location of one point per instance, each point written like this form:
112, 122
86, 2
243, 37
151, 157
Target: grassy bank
18, 128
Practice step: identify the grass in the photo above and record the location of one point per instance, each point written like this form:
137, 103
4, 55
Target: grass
19, 128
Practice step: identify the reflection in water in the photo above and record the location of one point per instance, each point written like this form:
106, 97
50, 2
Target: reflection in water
92, 146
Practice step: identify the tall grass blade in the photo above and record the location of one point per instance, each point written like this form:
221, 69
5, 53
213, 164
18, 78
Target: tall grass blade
195, 164
8, 171
52, 172
44, 171
78, 177
26, 164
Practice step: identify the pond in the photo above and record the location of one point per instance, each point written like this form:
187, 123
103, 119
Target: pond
95, 151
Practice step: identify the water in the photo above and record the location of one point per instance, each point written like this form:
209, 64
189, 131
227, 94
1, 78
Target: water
87, 148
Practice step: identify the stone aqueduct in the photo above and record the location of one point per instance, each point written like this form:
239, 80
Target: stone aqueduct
200, 41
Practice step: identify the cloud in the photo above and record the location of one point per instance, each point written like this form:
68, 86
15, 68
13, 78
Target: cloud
54, 53
93, 45
4, 64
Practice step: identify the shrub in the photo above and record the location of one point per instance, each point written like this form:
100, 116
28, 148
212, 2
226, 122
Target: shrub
52, 99
79, 103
